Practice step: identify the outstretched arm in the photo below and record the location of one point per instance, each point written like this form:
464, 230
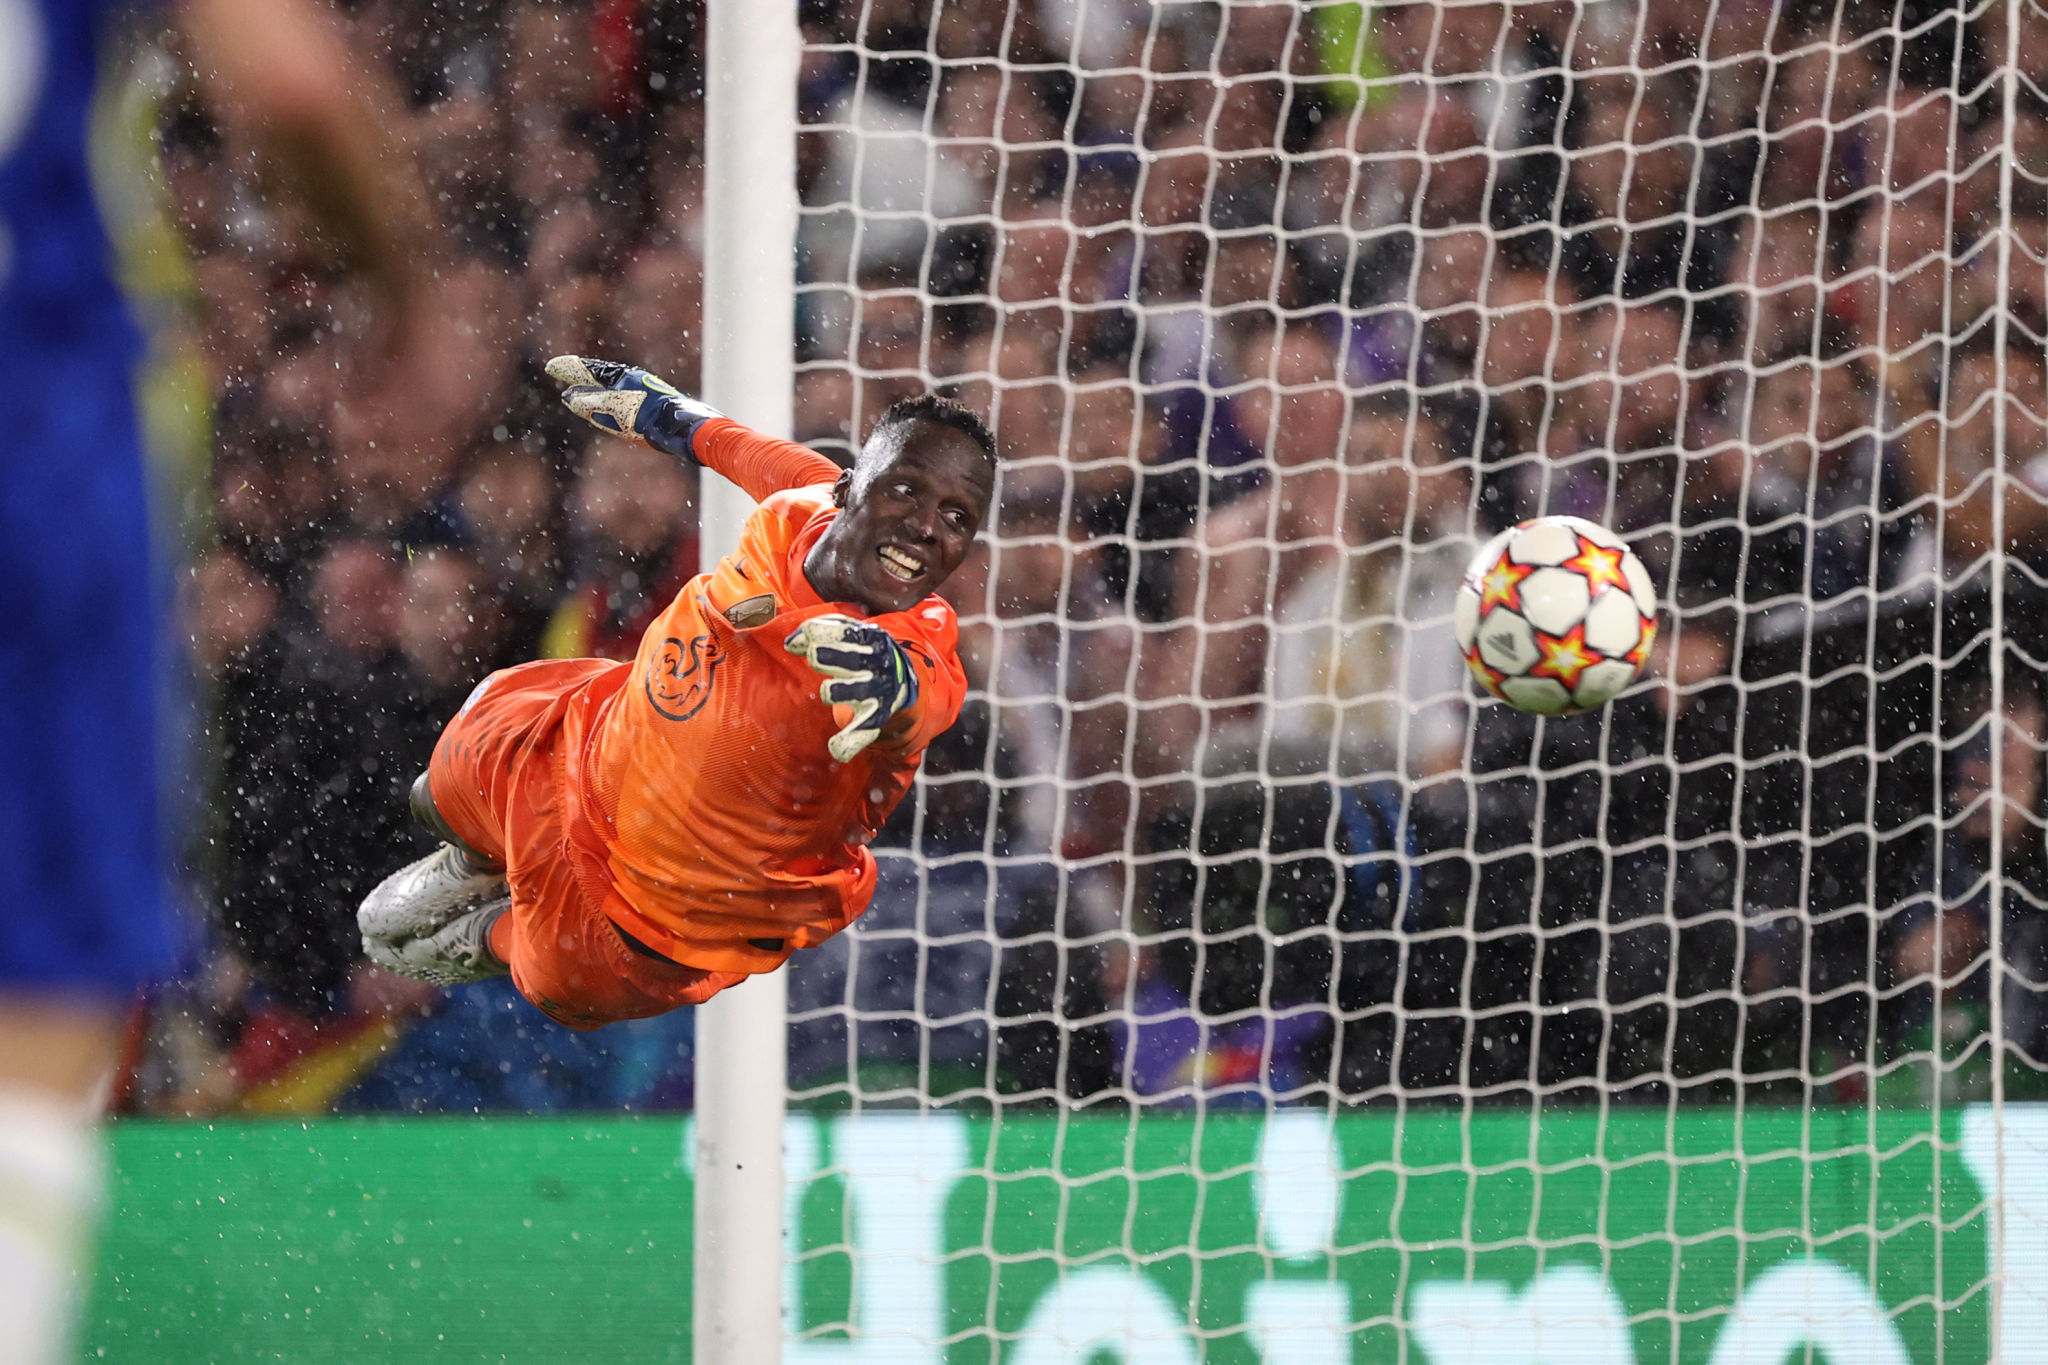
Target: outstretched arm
636, 405
760, 464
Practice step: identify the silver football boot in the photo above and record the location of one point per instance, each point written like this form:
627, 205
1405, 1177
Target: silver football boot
456, 954
432, 918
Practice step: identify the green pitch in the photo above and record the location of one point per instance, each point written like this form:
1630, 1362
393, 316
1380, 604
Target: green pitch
396, 1240
1381, 1237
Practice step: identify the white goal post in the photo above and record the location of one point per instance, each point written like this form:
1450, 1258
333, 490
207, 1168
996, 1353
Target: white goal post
749, 309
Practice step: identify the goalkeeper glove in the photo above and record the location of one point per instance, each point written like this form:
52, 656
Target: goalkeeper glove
864, 668
631, 403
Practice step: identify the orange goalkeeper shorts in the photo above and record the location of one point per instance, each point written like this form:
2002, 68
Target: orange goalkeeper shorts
498, 782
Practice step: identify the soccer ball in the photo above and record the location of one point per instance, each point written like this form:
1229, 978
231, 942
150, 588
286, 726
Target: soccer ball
1556, 616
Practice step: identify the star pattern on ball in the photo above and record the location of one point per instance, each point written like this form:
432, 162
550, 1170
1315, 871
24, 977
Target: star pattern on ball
1501, 585
1564, 658
1640, 655
1489, 677
1600, 565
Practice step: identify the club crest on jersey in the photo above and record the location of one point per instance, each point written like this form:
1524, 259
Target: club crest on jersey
680, 675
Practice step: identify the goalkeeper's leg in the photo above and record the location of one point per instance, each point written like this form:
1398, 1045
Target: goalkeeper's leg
432, 918
449, 917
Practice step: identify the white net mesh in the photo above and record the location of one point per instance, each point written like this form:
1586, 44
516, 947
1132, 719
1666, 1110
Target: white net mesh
1589, 1028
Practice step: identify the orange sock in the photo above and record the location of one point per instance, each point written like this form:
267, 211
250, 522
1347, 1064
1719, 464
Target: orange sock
501, 939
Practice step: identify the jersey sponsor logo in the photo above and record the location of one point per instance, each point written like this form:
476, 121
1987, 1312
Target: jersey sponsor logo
680, 676
757, 610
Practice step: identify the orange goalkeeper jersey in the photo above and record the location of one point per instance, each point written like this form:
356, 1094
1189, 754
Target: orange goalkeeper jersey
731, 836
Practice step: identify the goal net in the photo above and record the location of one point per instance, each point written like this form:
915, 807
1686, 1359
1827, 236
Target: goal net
1239, 985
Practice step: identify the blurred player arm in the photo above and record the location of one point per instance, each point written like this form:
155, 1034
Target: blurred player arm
631, 403
280, 73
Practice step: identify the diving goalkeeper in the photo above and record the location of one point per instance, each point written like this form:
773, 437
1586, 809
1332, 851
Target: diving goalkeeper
629, 837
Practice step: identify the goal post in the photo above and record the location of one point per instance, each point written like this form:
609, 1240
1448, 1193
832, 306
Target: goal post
750, 97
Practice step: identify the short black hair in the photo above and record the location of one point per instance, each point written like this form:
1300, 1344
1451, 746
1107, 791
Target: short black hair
930, 407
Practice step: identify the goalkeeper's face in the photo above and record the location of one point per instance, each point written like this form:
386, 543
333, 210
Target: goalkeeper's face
912, 505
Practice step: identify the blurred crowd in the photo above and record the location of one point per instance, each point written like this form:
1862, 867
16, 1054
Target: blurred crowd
1277, 310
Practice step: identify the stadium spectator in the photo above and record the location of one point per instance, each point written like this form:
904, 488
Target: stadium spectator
2023, 285
1898, 282
1996, 424
507, 514
1512, 409
909, 998
1937, 946
1364, 670
272, 496
314, 741
1428, 169
445, 631
878, 185
1052, 645
1028, 403
1618, 407
1669, 988
632, 513
1911, 144
1630, 181
1322, 646
1799, 161
1776, 269
888, 351
969, 111
1516, 354
657, 287
1175, 339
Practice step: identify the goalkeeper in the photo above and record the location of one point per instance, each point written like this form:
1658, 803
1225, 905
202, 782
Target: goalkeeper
629, 837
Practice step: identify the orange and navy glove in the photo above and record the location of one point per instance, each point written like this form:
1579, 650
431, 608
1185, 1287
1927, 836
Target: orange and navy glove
864, 668
622, 401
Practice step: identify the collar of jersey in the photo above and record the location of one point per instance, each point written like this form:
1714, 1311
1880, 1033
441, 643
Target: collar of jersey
801, 595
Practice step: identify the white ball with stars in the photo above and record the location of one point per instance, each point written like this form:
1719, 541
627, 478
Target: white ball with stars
1556, 616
